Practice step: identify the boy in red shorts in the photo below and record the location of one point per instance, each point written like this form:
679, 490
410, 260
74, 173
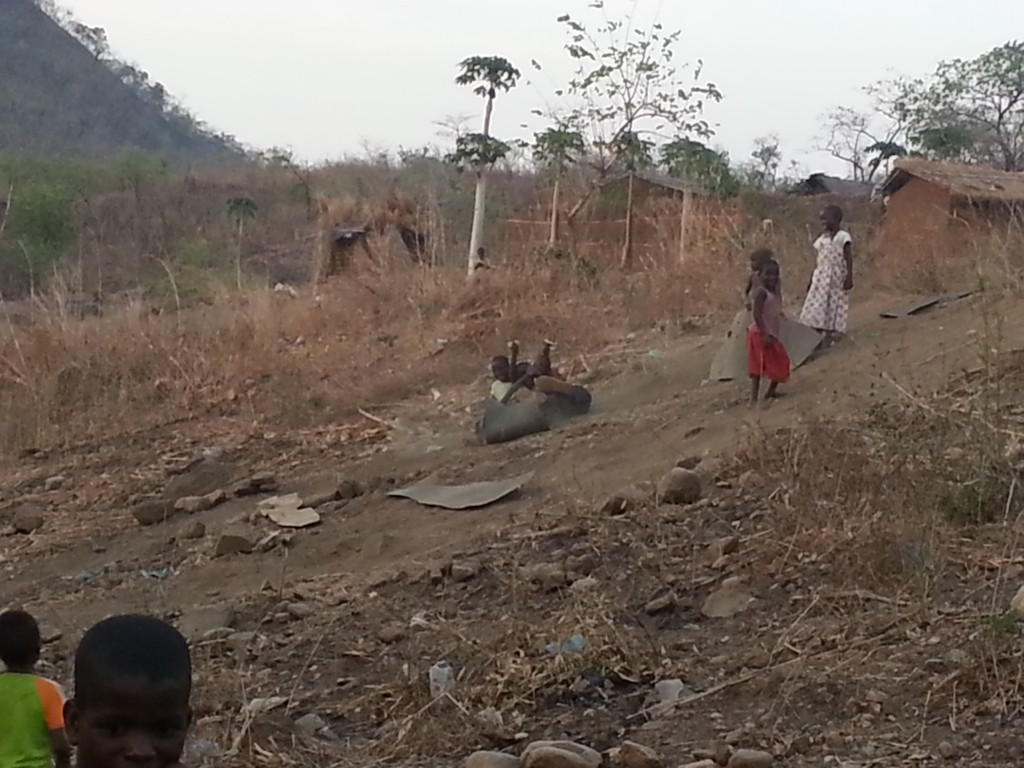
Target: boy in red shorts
766, 357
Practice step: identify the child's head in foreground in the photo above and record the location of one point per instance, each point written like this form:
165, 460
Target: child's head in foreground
133, 678
20, 641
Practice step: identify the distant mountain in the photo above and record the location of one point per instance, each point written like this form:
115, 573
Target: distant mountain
64, 94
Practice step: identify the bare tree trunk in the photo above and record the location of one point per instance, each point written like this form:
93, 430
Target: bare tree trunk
238, 256
627, 243
477, 233
553, 234
684, 222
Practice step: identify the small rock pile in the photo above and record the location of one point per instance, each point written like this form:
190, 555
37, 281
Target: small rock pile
569, 754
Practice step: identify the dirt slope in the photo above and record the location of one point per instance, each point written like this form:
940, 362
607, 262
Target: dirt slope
378, 571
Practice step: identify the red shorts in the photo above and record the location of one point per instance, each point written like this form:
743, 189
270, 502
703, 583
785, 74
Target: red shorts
763, 362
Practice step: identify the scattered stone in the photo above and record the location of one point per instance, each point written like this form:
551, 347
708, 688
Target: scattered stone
722, 547
54, 483
633, 755
726, 601
701, 764
583, 565
662, 698
560, 754
216, 498
680, 486
196, 622
586, 584
233, 544
27, 518
690, 462
491, 760
288, 512
195, 531
1017, 603
349, 489
465, 571
192, 505
947, 751
391, 634
623, 502
661, 604
546, 576
315, 500
204, 477
151, 510
300, 611
750, 758
49, 635
241, 642
311, 724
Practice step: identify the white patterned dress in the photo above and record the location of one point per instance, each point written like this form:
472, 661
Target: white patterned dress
827, 305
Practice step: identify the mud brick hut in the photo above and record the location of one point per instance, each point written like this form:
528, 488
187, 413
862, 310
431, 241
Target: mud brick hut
940, 213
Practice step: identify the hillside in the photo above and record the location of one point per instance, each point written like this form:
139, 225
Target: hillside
59, 98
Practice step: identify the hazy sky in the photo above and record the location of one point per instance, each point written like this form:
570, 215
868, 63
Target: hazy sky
327, 77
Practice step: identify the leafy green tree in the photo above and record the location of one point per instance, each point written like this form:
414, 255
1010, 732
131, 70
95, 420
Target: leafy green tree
974, 108
696, 162
40, 228
554, 150
487, 75
241, 210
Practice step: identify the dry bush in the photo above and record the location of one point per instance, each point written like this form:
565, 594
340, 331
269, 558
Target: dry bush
270, 360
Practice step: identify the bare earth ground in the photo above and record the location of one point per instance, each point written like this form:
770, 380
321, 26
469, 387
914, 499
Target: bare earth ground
829, 663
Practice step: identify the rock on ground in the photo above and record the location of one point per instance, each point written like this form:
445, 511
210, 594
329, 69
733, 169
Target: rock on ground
491, 760
196, 622
560, 754
731, 598
205, 477
28, 518
680, 486
633, 755
1017, 603
152, 511
233, 544
750, 758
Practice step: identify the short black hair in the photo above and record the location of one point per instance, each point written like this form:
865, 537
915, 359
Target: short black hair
131, 648
833, 212
20, 639
762, 255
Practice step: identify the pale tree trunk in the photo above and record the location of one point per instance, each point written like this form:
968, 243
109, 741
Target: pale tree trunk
553, 234
684, 222
238, 255
479, 204
627, 243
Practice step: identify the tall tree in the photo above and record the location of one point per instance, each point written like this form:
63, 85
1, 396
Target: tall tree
554, 150
765, 160
632, 92
977, 105
487, 75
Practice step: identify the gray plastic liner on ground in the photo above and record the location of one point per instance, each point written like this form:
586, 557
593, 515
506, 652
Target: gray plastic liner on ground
502, 423
924, 304
469, 496
730, 363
